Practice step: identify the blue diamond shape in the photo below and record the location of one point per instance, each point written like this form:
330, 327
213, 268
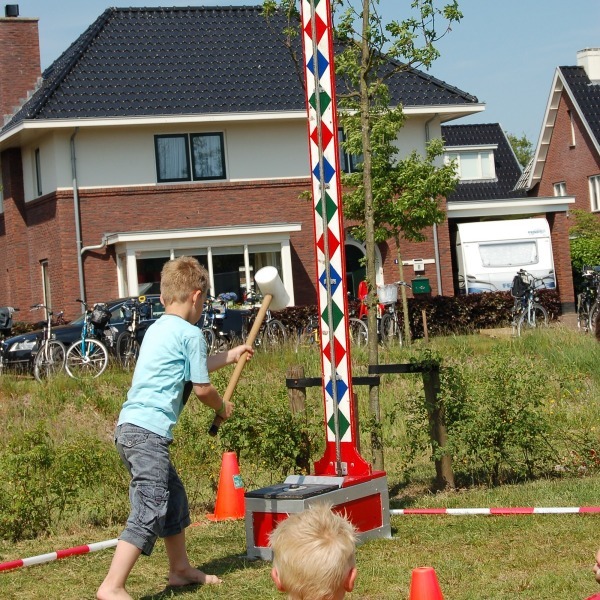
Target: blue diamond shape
328, 171
341, 387
322, 64
334, 279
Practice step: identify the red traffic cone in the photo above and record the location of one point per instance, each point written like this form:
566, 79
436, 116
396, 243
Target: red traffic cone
230, 502
424, 585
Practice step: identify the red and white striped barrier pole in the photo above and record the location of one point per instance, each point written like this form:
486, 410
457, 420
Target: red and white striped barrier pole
44, 558
515, 510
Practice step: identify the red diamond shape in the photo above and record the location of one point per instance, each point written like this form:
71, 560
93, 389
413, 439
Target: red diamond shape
325, 134
320, 26
333, 243
340, 351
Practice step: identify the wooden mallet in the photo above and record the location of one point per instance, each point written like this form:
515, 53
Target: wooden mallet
274, 297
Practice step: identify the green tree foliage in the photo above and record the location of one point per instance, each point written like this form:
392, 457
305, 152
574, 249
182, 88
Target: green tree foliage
522, 148
585, 242
388, 195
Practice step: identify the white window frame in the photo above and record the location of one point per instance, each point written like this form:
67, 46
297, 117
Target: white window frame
455, 153
349, 162
572, 124
560, 189
594, 183
171, 243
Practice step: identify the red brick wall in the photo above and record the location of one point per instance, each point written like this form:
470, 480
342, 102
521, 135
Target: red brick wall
48, 233
19, 61
571, 164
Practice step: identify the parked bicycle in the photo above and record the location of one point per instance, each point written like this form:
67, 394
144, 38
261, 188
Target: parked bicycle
134, 312
527, 312
272, 334
6, 323
308, 335
51, 353
88, 357
390, 328
214, 312
588, 299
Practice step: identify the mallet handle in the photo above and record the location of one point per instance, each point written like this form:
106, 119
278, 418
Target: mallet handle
239, 367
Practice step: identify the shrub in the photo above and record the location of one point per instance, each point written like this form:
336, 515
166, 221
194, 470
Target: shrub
497, 423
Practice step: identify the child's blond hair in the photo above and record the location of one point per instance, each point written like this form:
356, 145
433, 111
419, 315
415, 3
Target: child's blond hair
181, 277
313, 552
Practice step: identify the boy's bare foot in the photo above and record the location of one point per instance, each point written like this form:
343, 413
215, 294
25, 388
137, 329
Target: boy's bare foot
104, 593
191, 575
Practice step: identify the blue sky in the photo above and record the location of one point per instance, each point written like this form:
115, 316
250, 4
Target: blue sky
503, 51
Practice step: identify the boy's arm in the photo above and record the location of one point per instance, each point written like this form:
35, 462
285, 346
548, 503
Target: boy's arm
229, 357
208, 395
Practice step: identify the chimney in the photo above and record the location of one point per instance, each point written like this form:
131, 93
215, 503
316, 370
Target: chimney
20, 65
589, 59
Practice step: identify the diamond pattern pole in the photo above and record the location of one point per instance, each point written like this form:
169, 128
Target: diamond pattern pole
341, 455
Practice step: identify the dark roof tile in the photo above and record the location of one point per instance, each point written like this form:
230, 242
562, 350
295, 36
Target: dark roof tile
508, 169
189, 60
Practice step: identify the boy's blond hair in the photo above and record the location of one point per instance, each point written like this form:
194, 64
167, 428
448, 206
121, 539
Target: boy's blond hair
313, 552
181, 277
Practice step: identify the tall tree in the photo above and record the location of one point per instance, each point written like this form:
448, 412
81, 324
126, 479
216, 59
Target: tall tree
522, 148
388, 197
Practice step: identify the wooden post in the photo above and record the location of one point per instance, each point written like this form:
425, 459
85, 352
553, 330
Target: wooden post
297, 398
425, 332
437, 429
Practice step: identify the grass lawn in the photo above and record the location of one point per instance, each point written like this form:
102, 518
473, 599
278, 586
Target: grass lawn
534, 557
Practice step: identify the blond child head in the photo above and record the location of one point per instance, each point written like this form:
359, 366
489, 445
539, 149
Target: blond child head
314, 554
181, 277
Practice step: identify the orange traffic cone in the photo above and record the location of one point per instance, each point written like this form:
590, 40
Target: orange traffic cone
424, 585
230, 502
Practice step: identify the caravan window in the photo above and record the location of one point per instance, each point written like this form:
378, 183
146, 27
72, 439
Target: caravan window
509, 254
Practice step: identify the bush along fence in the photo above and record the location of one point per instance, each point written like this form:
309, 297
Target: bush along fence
444, 314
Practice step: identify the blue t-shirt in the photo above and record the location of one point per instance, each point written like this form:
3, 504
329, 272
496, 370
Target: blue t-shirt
173, 352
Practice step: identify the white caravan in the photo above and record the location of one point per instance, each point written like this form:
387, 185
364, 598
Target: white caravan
490, 253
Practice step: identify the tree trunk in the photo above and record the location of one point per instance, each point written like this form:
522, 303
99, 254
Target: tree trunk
407, 334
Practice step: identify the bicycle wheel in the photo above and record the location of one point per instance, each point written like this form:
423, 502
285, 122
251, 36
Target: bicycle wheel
389, 329
274, 335
128, 350
50, 360
209, 337
583, 312
359, 333
534, 318
86, 358
594, 316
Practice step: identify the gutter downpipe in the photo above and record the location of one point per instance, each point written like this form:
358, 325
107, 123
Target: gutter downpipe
436, 245
77, 219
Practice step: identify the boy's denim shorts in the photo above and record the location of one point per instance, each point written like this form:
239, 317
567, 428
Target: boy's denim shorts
159, 505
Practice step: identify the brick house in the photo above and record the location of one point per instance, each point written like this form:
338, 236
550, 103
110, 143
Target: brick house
490, 190
567, 156
166, 131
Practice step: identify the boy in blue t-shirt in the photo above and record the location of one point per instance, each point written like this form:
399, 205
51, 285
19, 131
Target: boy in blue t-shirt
173, 352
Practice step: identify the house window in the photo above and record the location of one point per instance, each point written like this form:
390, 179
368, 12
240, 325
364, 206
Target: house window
38, 171
183, 157
473, 165
560, 188
572, 124
595, 193
348, 162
